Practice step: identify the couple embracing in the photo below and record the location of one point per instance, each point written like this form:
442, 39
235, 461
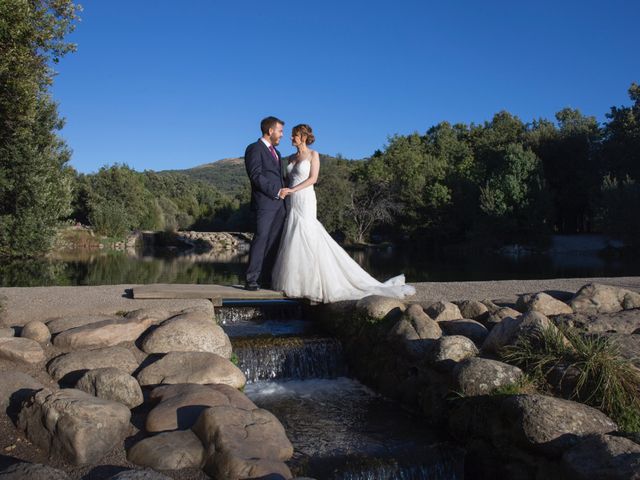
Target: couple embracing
291, 251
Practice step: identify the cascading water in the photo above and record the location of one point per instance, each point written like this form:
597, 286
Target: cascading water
340, 429
262, 358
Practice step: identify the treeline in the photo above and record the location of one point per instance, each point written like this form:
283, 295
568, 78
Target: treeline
502, 181
118, 199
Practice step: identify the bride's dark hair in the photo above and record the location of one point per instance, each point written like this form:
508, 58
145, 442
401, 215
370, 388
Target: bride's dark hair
304, 130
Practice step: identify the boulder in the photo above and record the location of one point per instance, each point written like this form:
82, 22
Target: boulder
543, 303
7, 332
60, 324
21, 350
73, 424
146, 474
625, 321
481, 376
168, 451
69, 367
473, 309
15, 387
628, 346
242, 443
603, 456
509, 330
473, 330
228, 465
598, 298
496, 316
37, 331
192, 367
378, 307
180, 405
105, 333
188, 332
156, 315
540, 424
32, 471
450, 350
415, 332
440, 311
112, 384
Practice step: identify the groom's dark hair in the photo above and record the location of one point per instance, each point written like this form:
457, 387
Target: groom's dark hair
269, 122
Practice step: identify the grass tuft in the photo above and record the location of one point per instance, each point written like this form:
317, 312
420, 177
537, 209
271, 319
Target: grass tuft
600, 377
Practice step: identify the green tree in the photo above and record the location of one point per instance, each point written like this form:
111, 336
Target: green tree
621, 146
35, 182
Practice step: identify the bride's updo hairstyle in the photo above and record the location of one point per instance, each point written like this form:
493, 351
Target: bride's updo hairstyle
305, 132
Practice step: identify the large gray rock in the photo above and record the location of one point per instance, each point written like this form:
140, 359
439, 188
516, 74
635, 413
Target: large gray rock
15, 387
440, 311
509, 330
156, 315
192, 367
473, 309
543, 303
105, 333
238, 442
37, 331
538, 423
496, 316
481, 376
73, 424
626, 321
21, 350
628, 346
112, 384
598, 298
168, 451
553, 425
603, 456
228, 465
450, 350
7, 332
60, 324
415, 332
32, 471
180, 405
378, 307
146, 474
70, 367
471, 329
188, 332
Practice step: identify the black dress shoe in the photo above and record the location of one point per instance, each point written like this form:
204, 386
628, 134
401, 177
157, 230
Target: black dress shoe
252, 287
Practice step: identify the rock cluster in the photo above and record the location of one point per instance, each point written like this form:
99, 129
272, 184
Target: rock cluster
104, 364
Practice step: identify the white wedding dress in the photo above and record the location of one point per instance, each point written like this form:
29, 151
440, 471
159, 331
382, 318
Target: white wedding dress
311, 264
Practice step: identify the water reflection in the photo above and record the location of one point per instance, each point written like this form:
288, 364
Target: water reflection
228, 267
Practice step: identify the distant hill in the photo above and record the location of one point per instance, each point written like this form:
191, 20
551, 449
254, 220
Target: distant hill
227, 175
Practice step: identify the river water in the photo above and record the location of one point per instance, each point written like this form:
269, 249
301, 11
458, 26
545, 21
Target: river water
170, 267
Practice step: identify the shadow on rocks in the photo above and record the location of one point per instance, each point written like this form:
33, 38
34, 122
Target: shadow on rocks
103, 471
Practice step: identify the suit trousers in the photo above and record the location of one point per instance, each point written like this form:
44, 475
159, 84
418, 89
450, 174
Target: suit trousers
265, 244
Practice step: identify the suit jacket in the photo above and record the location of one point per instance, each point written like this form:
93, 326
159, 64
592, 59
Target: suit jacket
266, 175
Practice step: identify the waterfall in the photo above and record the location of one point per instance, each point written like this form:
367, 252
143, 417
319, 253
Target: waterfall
269, 358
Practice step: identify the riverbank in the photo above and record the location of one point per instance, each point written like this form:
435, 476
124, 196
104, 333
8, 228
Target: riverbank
23, 304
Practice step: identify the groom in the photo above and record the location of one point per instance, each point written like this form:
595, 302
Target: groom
264, 167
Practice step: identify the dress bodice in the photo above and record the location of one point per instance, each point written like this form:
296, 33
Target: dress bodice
298, 172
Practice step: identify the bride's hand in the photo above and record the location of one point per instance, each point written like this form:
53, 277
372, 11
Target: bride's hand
284, 192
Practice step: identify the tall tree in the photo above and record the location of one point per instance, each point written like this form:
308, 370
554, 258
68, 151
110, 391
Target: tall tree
35, 181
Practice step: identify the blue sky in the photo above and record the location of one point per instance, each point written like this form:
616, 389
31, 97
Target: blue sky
170, 85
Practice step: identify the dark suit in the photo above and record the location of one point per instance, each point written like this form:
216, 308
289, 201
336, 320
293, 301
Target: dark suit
265, 173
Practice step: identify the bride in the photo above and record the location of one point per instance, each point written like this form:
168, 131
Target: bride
310, 263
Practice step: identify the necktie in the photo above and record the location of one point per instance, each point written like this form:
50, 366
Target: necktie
273, 152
